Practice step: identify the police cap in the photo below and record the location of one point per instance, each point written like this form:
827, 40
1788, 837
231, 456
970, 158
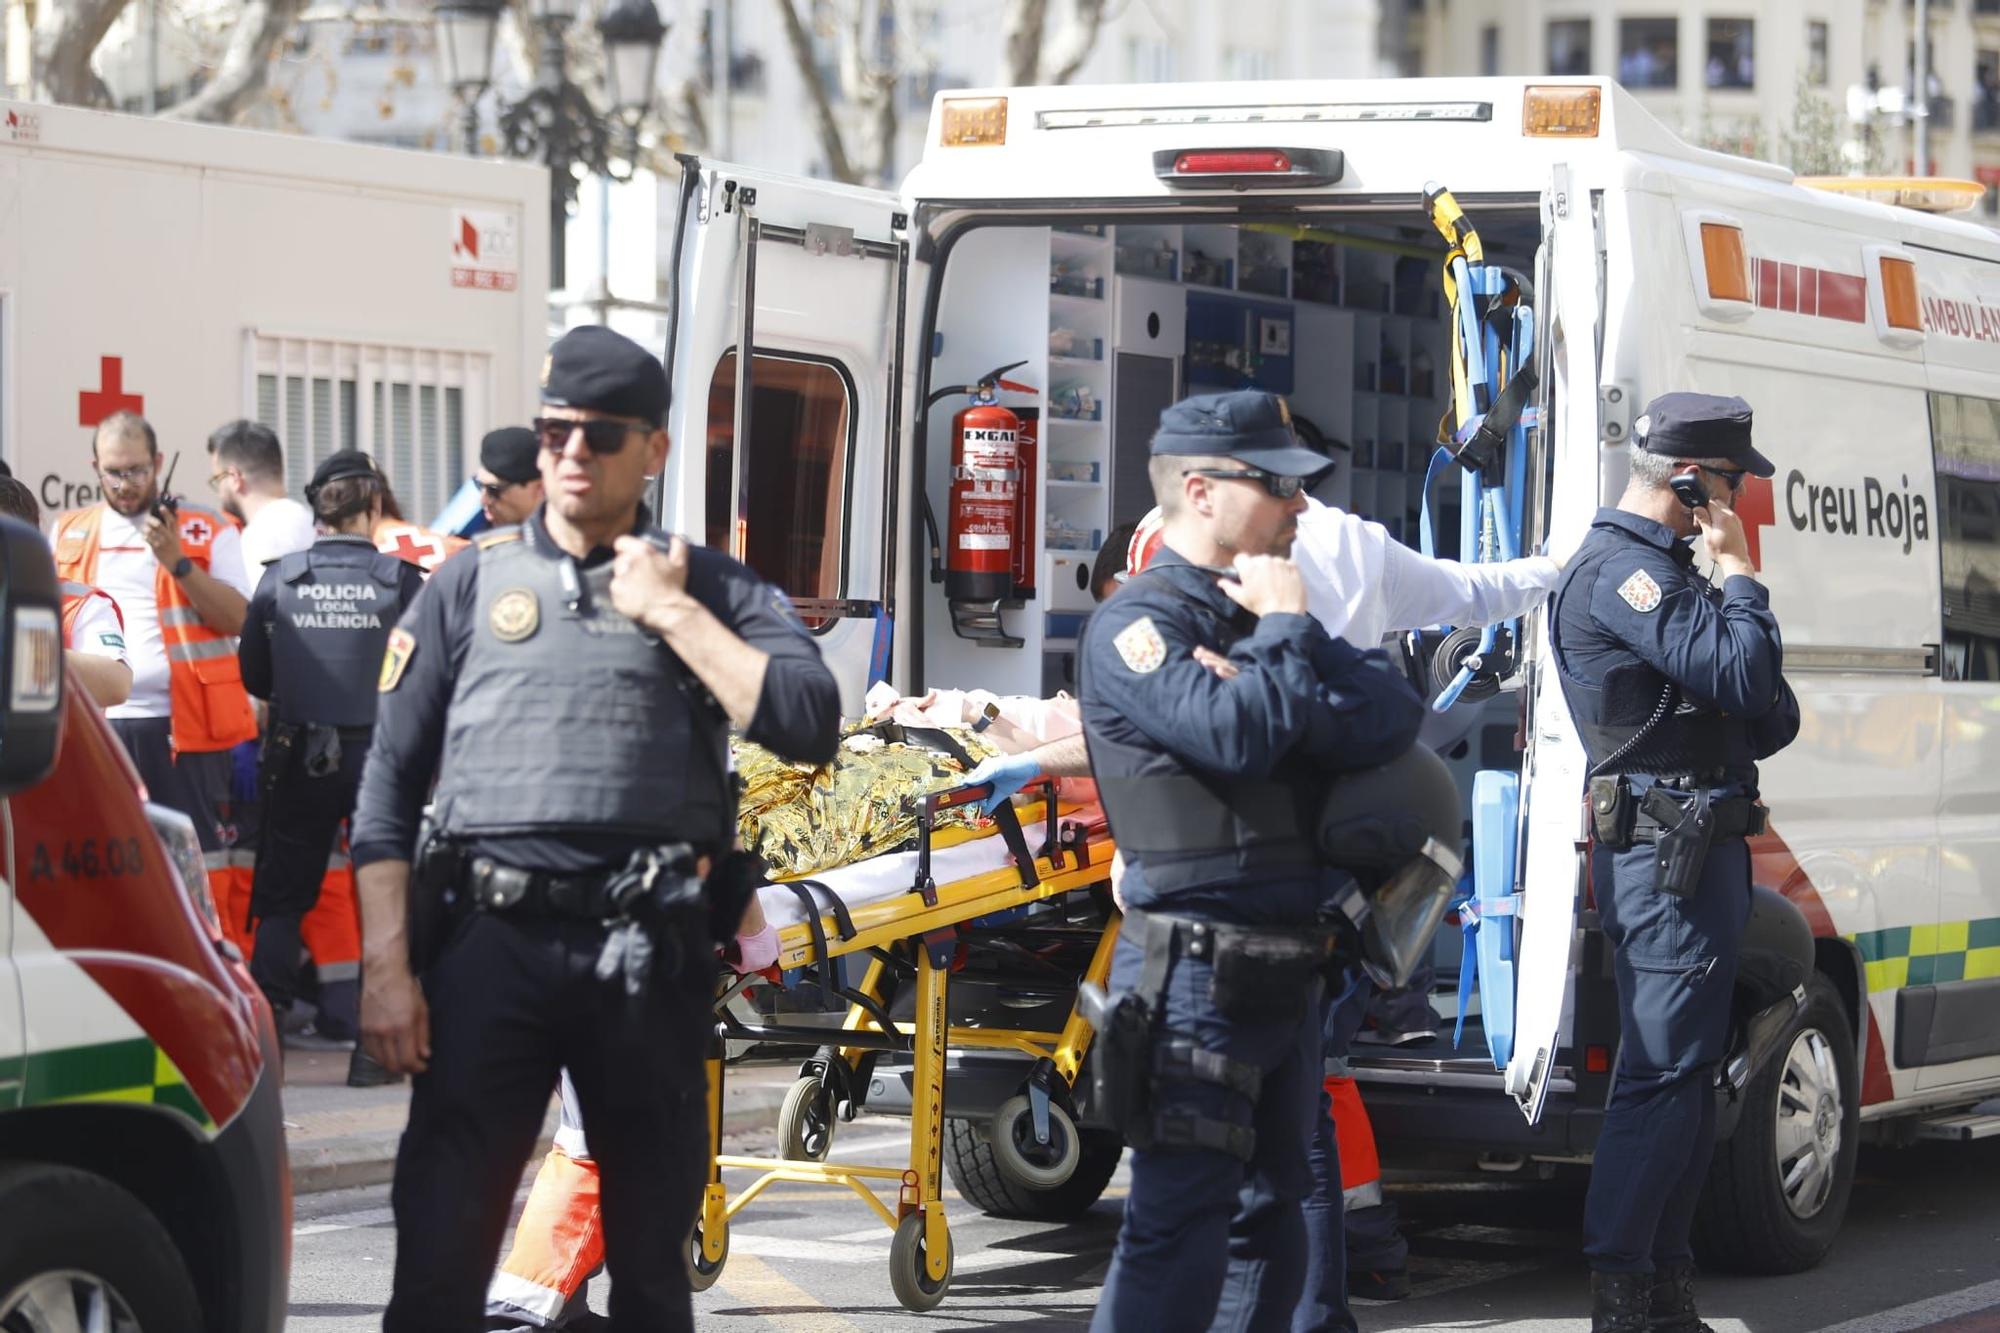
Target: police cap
592, 367
1700, 425
346, 464
1248, 425
511, 454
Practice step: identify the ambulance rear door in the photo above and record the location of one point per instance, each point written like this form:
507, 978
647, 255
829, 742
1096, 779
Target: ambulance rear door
812, 276
1572, 275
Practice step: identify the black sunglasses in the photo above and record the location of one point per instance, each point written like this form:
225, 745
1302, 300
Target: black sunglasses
1734, 476
603, 436
1284, 488
493, 490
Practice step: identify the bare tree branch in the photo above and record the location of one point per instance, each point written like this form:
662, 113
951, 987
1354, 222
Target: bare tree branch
1021, 34
1078, 40
246, 63
830, 141
881, 100
65, 35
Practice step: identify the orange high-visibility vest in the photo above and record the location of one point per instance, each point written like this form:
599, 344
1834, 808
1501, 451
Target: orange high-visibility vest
205, 686
76, 596
414, 545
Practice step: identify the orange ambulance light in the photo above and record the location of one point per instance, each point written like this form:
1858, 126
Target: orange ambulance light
974, 122
1724, 263
1900, 309
1551, 111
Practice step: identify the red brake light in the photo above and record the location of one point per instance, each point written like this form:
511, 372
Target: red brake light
1253, 162
1597, 1059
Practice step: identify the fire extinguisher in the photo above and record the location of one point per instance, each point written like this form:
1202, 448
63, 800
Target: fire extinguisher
983, 514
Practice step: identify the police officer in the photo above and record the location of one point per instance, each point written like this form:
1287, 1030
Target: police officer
509, 476
1676, 687
570, 682
311, 642
1207, 779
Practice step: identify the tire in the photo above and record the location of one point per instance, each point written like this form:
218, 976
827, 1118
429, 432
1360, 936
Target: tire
701, 1273
1037, 1166
805, 1122
909, 1277
1801, 1116
73, 1241
983, 1183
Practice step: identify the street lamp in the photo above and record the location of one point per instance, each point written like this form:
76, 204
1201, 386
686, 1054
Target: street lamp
554, 120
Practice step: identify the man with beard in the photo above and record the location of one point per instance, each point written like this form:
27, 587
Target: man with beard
176, 572
247, 474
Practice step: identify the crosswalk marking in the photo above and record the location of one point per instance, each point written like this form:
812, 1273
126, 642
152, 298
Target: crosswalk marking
748, 1279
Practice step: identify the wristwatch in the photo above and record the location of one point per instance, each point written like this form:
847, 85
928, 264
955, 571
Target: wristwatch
182, 566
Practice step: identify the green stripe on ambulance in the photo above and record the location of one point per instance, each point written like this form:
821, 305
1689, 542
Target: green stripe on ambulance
1926, 955
136, 1070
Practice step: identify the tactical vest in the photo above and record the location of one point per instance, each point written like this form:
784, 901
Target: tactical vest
1190, 830
567, 716
336, 603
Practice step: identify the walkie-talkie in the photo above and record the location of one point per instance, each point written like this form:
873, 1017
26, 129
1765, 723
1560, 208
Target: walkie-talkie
168, 503
1688, 488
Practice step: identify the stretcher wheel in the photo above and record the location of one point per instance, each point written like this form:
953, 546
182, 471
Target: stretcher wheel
908, 1276
701, 1273
805, 1121
1041, 1166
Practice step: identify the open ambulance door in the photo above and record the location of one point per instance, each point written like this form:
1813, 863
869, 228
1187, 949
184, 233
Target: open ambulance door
1552, 830
782, 458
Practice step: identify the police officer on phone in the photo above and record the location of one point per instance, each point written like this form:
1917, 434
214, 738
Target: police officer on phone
1208, 1053
570, 683
312, 641
1676, 684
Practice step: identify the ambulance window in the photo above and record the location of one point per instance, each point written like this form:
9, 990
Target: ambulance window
801, 435
1569, 46
1965, 433
1732, 53
1816, 44
1649, 52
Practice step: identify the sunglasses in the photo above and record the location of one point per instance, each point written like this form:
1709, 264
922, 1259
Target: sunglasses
493, 490
1734, 476
602, 436
1284, 488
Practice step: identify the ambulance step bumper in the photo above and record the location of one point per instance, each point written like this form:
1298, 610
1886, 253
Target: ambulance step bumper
1961, 1126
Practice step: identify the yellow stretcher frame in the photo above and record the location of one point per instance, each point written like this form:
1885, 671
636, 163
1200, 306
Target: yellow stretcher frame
920, 1253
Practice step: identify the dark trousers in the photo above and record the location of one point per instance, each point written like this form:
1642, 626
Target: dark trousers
197, 785
1324, 1303
1675, 964
302, 818
1208, 1240
512, 1003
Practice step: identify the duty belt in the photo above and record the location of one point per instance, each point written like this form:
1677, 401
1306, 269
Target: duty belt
1734, 816
515, 892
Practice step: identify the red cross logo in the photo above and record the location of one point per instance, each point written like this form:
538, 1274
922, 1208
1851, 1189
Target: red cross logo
197, 531
1756, 506
406, 547
93, 406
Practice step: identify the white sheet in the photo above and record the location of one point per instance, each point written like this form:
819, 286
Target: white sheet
883, 877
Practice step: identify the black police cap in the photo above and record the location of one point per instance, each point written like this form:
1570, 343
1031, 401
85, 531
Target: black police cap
511, 454
346, 464
1249, 425
1701, 425
592, 367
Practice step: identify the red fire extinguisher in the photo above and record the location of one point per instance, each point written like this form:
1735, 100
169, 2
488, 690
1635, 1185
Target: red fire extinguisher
984, 536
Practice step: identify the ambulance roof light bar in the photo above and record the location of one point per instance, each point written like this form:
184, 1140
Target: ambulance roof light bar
1247, 168
1926, 194
1299, 113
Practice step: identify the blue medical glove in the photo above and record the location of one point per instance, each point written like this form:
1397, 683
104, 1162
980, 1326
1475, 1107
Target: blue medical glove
1008, 773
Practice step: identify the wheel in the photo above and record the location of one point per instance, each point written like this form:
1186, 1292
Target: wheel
701, 1273
77, 1251
908, 1275
805, 1121
1777, 1190
982, 1182
1039, 1166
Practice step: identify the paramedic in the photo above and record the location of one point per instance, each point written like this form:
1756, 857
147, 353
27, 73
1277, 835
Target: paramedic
311, 644
570, 682
1198, 775
1676, 686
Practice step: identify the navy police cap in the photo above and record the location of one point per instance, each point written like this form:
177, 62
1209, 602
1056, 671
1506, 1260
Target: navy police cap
592, 367
511, 453
1700, 425
1248, 425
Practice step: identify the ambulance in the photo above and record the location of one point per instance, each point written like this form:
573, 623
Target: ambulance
143, 1178
1084, 256
349, 297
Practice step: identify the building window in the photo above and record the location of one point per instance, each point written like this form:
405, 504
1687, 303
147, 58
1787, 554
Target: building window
1489, 49
1569, 46
1965, 433
1148, 61
422, 406
1816, 63
1732, 53
1649, 53
1246, 64
801, 436
1986, 92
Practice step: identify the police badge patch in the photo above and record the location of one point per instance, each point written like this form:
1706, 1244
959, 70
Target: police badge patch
515, 615
395, 656
1141, 646
1639, 591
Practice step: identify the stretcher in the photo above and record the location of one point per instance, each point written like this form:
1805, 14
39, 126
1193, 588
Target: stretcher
915, 917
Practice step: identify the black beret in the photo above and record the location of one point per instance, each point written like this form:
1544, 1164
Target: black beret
511, 453
1249, 425
346, 464
592, 367
1700, 425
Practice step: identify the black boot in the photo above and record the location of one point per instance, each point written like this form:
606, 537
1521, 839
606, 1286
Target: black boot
1671, 1309
364, 1072
1618, 1302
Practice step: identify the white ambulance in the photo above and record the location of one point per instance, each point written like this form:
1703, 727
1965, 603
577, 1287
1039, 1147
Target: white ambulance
1116, 248
347, 296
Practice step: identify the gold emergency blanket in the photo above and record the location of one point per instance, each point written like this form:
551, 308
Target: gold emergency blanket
803, 819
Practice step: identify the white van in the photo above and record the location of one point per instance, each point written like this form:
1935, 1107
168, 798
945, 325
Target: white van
1130, 245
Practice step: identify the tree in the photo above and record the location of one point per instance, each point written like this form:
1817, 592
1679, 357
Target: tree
1815, 143
68, 32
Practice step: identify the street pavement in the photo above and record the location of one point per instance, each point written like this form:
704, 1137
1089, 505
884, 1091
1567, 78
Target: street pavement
1921, 1250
